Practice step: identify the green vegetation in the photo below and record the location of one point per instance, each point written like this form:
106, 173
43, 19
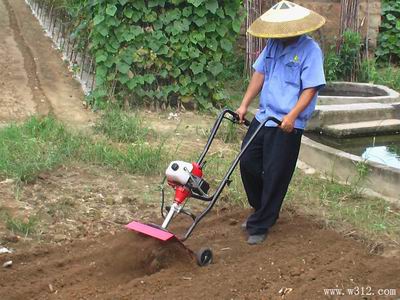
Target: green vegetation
389, 75
41, 144
343, 207
389, 35
122, 127
343, 64
21, 226
35, 146
159, 52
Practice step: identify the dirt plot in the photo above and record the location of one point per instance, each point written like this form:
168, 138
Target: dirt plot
299, 255
34, 79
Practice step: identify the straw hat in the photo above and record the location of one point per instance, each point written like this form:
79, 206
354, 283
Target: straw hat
286, 19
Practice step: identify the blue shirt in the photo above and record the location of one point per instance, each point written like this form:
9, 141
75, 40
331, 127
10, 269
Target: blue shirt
288, 71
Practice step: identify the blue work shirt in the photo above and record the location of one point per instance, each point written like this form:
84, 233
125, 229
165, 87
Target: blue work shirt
288, 71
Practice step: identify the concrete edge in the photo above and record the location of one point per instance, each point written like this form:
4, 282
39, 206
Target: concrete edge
392, 95
342, 166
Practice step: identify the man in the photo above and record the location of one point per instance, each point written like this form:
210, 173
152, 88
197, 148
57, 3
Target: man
288, 73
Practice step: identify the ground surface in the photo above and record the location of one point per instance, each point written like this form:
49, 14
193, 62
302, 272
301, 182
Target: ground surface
81, 251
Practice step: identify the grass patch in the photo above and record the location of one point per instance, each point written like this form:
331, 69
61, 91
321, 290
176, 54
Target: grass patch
42, 144
344, 206
122, 127
35, 146
135, 159
21, 226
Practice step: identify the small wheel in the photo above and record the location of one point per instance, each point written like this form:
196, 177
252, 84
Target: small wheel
204, 257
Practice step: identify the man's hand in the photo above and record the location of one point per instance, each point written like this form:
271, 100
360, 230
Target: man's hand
241, 111
288, 123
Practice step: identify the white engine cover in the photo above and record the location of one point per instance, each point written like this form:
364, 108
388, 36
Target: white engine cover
179, 172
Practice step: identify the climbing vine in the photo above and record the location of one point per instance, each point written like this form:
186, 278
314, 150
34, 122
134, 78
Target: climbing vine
389, 36
157, 51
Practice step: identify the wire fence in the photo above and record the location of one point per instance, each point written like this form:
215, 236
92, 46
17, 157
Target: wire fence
58, 26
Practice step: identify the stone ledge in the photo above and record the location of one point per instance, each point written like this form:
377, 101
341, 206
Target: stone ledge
342, 166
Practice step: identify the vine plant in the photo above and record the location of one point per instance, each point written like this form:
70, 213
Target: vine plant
157, 51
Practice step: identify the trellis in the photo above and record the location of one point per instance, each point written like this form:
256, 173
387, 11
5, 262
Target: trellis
58, 25
254, 46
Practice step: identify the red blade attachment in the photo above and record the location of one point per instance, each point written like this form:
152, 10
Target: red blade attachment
149, 230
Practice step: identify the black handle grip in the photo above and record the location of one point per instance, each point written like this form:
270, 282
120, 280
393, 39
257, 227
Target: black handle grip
273, 119
245, 121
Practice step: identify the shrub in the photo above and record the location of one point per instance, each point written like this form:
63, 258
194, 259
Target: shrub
344, 64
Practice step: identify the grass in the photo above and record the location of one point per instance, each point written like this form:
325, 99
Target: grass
35, 146
21, 226
42, 144
122, 127
388, 75
343, 206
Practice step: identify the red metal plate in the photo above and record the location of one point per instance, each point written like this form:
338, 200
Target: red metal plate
150, 231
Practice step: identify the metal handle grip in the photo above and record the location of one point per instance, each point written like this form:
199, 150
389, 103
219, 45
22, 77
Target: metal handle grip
237, 118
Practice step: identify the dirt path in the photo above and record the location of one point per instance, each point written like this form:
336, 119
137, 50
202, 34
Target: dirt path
299, 255
34, 79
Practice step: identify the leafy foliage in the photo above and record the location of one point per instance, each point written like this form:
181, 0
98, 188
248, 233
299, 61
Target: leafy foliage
389, 37
155, 50
341, 65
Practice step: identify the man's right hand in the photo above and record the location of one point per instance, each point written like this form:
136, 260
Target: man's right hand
241, 111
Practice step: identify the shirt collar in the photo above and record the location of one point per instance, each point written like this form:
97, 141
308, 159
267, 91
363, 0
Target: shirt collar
289, 48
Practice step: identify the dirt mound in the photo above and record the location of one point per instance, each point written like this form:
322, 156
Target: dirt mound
104, 263
299, 256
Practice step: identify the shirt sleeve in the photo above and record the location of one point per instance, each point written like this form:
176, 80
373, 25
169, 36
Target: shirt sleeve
259, 65
312, 73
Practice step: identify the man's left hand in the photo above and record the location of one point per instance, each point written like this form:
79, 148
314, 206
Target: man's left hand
288, 123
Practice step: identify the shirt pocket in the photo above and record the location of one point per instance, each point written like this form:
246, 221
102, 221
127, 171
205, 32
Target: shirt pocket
292, 73
268, 66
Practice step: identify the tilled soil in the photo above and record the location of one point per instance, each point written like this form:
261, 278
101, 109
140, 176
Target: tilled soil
299, 257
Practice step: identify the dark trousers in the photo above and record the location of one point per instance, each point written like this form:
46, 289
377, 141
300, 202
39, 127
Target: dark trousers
266, 169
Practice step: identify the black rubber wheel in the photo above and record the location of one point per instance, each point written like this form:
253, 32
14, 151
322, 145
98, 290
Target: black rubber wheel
204, 257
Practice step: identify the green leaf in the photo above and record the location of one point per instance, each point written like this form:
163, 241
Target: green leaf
138, 4
196, 67
199, 21
123, 2
175, 72
236, 25
390, 17
215, 68
128, 12
201, 12
101, 56
222, 30
187, 11
98, 19
212, 6
111, 10
231, 9
102, 29
226, 45
123, 67
149, 78
196, 3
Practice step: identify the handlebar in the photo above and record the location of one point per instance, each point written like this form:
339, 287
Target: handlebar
247, 122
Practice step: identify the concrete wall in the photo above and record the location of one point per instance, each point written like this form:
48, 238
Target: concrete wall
343, 166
